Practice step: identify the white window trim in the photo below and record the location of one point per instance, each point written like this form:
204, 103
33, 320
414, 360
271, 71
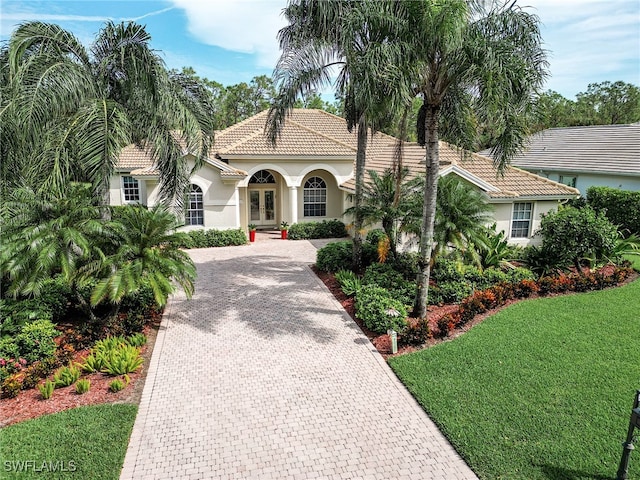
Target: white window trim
326, 195
533, 215
124, 196
189, 204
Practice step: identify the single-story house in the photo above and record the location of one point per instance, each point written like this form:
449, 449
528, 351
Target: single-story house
308, 176
581, 157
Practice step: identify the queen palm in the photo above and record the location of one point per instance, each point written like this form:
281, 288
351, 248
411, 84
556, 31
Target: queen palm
347, 38
67, 111
472, 63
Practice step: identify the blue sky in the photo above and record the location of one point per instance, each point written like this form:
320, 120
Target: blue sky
232, 41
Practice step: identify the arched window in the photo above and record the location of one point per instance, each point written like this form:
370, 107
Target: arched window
195, 207
263, 176
315, 197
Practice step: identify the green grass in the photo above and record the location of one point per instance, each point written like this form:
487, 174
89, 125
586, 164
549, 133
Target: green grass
541, 390
92, 439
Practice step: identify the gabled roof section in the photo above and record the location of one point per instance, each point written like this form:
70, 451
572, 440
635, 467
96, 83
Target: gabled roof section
138, 161
476, 169
610, 149
306, 133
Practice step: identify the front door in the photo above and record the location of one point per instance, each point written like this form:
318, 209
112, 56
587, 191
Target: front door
262, 207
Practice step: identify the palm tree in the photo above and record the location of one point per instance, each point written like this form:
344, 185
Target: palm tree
67, 111
387, 203
462, 216
350, 38
472, 63
146, 253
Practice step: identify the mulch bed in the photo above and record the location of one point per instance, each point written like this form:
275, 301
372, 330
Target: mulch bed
29, 404
382, 342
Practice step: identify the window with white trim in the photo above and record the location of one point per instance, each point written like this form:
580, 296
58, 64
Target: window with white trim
521, 220
315, 197
195, 206
131, 189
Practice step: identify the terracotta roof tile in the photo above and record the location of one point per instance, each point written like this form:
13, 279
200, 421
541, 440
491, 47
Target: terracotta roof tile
515, 182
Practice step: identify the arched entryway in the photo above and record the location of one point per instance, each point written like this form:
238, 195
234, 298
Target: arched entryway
262, 189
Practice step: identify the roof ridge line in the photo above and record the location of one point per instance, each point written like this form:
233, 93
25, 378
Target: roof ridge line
242, 140
235, 126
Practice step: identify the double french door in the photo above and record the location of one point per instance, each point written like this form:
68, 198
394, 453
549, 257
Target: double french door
262, 209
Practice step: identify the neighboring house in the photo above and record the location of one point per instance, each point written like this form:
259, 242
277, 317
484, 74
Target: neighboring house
581, 157
518, 197
308, 176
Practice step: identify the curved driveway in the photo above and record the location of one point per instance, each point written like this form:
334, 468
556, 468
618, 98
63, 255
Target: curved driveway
263, 375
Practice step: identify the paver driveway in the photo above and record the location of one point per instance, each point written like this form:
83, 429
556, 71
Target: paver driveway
263, 375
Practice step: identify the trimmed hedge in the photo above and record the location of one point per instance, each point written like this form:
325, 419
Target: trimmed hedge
621, 207
323, 229
213, 238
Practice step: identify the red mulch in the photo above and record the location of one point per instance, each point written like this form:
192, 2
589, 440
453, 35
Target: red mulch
29, 404
382, 342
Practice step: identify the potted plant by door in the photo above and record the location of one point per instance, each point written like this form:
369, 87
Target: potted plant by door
252, 232
284, 227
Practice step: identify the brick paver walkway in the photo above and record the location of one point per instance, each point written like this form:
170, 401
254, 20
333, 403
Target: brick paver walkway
261, 375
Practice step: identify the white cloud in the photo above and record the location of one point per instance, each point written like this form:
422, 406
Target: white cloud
589, 41
248, 26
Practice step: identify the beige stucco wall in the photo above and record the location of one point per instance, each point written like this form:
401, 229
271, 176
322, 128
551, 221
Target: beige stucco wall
503, 214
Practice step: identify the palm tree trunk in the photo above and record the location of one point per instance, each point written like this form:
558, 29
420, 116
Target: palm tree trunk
429, 209
361, 155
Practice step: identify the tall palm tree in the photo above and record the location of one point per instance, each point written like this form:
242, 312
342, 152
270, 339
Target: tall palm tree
67, 111
472, 63
349, 38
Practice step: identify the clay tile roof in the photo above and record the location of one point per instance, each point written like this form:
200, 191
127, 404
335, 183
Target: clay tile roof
306, 132
515, 182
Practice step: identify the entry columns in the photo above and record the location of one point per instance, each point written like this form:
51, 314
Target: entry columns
293, 204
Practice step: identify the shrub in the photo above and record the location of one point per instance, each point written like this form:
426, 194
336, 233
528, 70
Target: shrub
35, 341
15, 314
446, 270
116, 385
94, 362
123, 360
65, 353
65, 376
212, 238
385, 276
82, 386
416, 333
446, 324
570, 235
12, 385
32, 375
452, 292
136, 340
374, 236
519, 274
407, 264
323, 229
349, 282
621, 207
8, 348
335, 256
46, 389
379, 311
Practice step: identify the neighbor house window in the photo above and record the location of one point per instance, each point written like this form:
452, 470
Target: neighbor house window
131, 189
195, 206
315, 197
521, 223
569, 180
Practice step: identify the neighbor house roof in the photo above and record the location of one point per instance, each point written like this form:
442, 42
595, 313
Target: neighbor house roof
475, 168
610, 149
306, 133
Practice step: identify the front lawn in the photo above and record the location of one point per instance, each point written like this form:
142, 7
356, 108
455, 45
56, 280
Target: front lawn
85, 442
541, 390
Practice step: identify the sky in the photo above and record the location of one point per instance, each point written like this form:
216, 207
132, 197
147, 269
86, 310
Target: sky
231, 41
